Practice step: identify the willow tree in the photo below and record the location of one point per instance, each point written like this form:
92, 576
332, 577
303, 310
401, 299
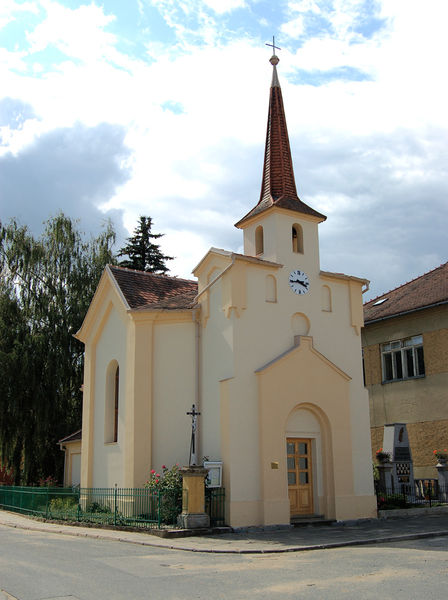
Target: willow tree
46, 287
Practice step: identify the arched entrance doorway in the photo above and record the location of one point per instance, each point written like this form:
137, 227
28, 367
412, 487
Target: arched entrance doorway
304, 462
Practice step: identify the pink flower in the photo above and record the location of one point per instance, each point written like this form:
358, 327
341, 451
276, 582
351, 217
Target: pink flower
157, 481
152, 471
157, 474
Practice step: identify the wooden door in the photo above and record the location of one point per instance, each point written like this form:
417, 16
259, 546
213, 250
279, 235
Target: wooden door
300, 476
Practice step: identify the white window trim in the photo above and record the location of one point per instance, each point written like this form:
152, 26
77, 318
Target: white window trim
402, 347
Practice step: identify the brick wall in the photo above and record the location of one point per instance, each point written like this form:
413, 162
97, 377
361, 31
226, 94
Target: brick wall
424, 438
372, 364
435, 349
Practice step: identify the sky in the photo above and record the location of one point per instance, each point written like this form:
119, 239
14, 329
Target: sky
118, 108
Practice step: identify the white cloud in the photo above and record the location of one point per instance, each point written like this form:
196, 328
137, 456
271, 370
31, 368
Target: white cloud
223, 6
360, 147
79, 33
10, 8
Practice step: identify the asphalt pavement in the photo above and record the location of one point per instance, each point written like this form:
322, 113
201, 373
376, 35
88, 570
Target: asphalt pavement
257, 540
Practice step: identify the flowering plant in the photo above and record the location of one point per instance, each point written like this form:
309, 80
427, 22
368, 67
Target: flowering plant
6, 475
441, 454
382, 456
168, 482
49, 481
165, 479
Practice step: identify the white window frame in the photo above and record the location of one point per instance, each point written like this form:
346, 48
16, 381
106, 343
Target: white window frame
403, 359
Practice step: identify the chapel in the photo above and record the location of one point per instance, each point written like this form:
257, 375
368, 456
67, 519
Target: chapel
265, 344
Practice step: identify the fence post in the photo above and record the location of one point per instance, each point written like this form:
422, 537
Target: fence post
115, 504
159, 516
47, 504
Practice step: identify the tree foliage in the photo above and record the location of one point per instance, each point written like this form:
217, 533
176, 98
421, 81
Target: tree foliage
45, 290
142, 253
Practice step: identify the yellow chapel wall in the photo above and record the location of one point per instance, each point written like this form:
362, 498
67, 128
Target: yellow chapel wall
260, 333
174, 391
108, 458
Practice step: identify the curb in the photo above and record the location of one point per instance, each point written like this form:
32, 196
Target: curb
324, 546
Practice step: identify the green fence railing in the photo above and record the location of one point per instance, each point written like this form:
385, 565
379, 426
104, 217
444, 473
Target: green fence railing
132, 507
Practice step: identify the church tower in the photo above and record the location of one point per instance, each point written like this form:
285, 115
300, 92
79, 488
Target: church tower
281, 228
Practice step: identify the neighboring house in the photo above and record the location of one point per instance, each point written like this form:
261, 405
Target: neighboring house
405, 345
71, 446
264, 343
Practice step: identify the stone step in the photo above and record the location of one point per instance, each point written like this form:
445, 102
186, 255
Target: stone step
311, 521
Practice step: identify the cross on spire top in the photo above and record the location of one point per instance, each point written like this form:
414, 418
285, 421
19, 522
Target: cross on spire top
273, 46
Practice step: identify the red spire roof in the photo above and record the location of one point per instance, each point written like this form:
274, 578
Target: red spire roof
278, 186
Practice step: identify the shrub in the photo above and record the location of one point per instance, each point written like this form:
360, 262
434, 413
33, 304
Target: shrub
49, 481
63, 505
169, 484
6, 475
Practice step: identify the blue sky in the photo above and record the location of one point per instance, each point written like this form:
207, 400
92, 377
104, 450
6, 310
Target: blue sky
119, 108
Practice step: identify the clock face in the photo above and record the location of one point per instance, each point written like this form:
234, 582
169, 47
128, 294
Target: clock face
299, 282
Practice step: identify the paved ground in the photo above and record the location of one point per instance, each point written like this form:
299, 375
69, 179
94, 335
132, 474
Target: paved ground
38, 565
254, 542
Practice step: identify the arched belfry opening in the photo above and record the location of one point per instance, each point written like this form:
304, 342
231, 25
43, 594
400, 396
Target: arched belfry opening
259, 240
297, 238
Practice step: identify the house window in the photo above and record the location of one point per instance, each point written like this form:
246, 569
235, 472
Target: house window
403, 359
297, 238
259, 242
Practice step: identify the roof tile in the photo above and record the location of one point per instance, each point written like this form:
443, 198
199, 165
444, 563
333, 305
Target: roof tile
426, 290
149, 290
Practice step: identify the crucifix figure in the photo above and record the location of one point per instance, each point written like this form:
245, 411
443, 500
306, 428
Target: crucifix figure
273, 46
194, 427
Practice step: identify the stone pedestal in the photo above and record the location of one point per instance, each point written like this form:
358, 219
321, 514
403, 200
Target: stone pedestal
193, 498
386, 479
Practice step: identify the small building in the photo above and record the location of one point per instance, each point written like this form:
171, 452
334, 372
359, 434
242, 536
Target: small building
264, 343
405, 345
71, 446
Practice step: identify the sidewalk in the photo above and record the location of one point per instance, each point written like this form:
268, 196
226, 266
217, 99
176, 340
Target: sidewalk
256, 541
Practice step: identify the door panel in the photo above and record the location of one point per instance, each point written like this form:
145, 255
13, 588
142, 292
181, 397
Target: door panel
300, 476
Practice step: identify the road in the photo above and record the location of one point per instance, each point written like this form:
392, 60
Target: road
42, 566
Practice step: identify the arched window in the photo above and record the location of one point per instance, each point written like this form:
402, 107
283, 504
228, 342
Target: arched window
259, 242
116, 394
112, 401
297, 238
326, 298
271, 288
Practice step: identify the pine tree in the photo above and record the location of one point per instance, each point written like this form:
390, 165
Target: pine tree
142, 254
46, 287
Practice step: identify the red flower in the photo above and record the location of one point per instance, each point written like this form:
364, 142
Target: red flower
152, 471
163, 467
157, 481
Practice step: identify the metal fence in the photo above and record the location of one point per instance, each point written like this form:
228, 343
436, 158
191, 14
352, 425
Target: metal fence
423, 493
131, 507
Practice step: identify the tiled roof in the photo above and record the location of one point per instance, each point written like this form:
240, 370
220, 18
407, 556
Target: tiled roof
147, 290
427, 290
278, 186
73, 437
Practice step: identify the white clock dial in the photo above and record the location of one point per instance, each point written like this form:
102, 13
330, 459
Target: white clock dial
299, 282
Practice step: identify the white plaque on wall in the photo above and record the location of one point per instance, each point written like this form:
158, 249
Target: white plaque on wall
214, 478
